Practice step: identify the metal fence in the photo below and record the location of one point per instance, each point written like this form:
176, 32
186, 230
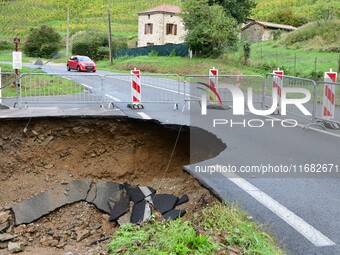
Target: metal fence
156, 88
291, 82
164, 89
8, 86
195, 85
46, 89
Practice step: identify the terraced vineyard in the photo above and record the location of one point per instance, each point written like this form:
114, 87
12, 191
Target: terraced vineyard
17, 17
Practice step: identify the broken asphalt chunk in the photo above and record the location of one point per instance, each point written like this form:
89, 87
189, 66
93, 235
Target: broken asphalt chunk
106, 191
140, 212
6, 237
120, 208
42, 204
164, 202
4, 226
174, 214
183, 199
137, 194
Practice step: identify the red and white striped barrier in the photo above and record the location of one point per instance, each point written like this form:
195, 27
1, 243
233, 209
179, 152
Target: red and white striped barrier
278, 83
213, 78
328, 105
136, 87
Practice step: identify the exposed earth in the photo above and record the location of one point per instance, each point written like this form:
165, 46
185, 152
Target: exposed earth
39, 154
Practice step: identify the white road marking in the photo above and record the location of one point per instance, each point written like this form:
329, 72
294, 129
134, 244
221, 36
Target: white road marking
308, 231
144, 116
86, 86
113, 98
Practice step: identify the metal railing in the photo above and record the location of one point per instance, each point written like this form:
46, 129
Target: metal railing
292, 82
155, 88
46, 89
75, 88
195, 84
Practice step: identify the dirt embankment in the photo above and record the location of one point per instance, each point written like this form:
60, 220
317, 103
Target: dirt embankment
37, 155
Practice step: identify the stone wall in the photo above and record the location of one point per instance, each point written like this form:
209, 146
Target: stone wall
158, 35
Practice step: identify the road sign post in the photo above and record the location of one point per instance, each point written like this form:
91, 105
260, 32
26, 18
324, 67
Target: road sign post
16, 41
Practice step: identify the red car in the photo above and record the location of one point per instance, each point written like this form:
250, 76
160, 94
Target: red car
81, 64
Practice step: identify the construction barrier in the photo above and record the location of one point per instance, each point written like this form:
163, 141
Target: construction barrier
278, 83
328, 113
157, 88
170, 89
328, 104
213, 78
136, 89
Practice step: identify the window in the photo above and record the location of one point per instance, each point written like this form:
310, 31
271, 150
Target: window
148, 28
150, 44
171, 29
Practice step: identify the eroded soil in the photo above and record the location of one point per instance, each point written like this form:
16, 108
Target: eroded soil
39, 154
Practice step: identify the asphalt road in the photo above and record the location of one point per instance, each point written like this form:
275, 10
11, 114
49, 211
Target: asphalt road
302, 209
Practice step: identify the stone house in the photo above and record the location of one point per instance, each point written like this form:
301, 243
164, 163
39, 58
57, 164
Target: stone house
257, 31
160, 25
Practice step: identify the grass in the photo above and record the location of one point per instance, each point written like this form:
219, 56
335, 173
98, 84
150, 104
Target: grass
301, 62
37, 85
177, 65
218, 229
318, 35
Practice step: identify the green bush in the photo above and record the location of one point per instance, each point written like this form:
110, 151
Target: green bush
5, 45
85, 48
119, 43
94, 44
43, 42
102, 52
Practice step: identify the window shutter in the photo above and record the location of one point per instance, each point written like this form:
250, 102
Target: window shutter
151, 28
167, 28
175, 29
145, 27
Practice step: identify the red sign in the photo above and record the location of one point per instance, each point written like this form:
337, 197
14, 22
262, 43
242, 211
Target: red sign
16, 40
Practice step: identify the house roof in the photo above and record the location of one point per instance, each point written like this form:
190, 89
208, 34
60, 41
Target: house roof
163, 8
268, 25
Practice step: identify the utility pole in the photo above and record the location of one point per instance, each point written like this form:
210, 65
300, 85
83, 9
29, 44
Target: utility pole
110, 38
67, 30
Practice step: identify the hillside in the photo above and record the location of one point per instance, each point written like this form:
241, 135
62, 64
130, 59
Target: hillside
305, 10
17, 17
84, 15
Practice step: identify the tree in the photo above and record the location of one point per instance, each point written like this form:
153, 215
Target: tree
43, 42
238, 9
209, 29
